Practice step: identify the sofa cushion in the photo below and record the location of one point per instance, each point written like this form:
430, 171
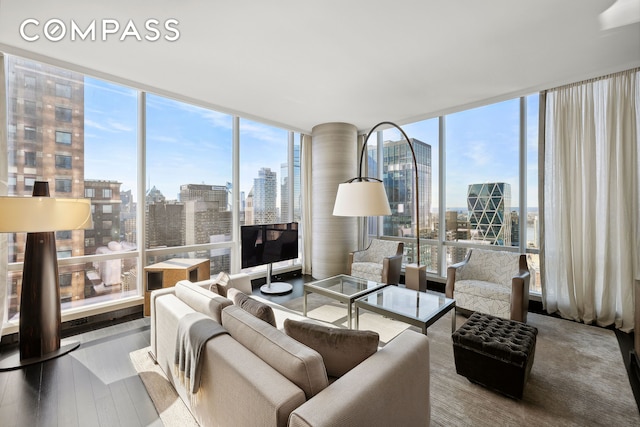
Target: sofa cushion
201, 299
341, 349
260, 310
300, 364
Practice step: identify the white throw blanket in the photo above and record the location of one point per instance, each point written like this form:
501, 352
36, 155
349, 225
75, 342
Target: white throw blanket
194, 330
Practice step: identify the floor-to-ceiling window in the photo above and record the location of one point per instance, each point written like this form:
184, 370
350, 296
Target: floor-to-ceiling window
477, 161
269, 176
398, 174
83, 135
188, 204
79, 135
482, 178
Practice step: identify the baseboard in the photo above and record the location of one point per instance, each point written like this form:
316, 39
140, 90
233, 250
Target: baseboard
85, 324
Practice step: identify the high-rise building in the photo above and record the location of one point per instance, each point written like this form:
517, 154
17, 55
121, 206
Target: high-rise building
284, 191
515, 228
489, 206
265, 193
164, 223
128, 217
105, 206
285, 182
297, 196
45, 133
399, 182
205, 193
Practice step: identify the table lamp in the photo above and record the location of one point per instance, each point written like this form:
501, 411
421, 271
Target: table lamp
366, 196
40, 216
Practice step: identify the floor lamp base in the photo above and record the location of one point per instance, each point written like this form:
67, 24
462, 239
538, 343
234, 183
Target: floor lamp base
276, 288
415, 277
13, 361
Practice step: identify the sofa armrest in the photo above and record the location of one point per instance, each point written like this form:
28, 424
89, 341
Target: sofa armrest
396, 376
241, 282
154, 318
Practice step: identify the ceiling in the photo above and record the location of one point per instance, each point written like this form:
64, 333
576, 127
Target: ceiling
297, 64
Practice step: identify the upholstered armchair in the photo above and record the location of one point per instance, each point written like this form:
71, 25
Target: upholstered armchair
380, 262
491, 282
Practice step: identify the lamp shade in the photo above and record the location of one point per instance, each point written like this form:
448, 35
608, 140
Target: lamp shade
363, 197
41, 214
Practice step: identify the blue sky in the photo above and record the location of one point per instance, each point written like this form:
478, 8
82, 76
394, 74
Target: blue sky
192, 145
185, 144
482, 146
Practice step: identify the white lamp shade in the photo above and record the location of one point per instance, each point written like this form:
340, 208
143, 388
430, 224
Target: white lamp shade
361, 198
38, 214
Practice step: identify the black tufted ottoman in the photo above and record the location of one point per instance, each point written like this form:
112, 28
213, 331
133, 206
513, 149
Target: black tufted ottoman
494, 352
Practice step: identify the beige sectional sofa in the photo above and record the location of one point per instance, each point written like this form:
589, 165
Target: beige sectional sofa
256, 375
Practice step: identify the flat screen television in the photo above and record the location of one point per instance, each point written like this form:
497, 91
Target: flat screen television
268, 243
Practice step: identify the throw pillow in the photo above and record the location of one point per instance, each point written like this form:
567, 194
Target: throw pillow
219, 284
259, 309
341, 349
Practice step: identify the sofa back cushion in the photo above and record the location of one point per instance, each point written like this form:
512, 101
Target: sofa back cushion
298, 363
202, 300
491, 266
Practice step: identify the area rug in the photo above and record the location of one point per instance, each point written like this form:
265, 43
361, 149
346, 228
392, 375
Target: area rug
578, 376
171, 409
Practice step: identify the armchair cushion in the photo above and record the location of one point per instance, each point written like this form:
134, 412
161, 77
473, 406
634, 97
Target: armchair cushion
484, 297
367, 270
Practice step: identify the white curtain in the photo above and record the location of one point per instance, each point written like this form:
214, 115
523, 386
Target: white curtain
3, 190
307, 199
591, 201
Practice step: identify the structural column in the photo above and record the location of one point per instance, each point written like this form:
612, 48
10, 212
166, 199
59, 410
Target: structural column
334, 155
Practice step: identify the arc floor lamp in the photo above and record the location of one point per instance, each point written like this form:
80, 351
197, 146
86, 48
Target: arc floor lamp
40, 216
366, 196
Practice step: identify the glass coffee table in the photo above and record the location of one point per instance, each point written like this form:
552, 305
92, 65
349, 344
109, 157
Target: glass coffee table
416, 308
342, 288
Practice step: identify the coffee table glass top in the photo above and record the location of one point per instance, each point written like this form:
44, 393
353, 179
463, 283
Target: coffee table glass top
342, 288
344, 285
408, 303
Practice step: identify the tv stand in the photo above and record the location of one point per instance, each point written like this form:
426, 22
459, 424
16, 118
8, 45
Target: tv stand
275, 288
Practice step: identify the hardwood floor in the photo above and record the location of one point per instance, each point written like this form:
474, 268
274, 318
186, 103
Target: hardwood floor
96, 385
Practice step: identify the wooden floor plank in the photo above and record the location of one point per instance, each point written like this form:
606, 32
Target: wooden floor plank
85, 401
48, 400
